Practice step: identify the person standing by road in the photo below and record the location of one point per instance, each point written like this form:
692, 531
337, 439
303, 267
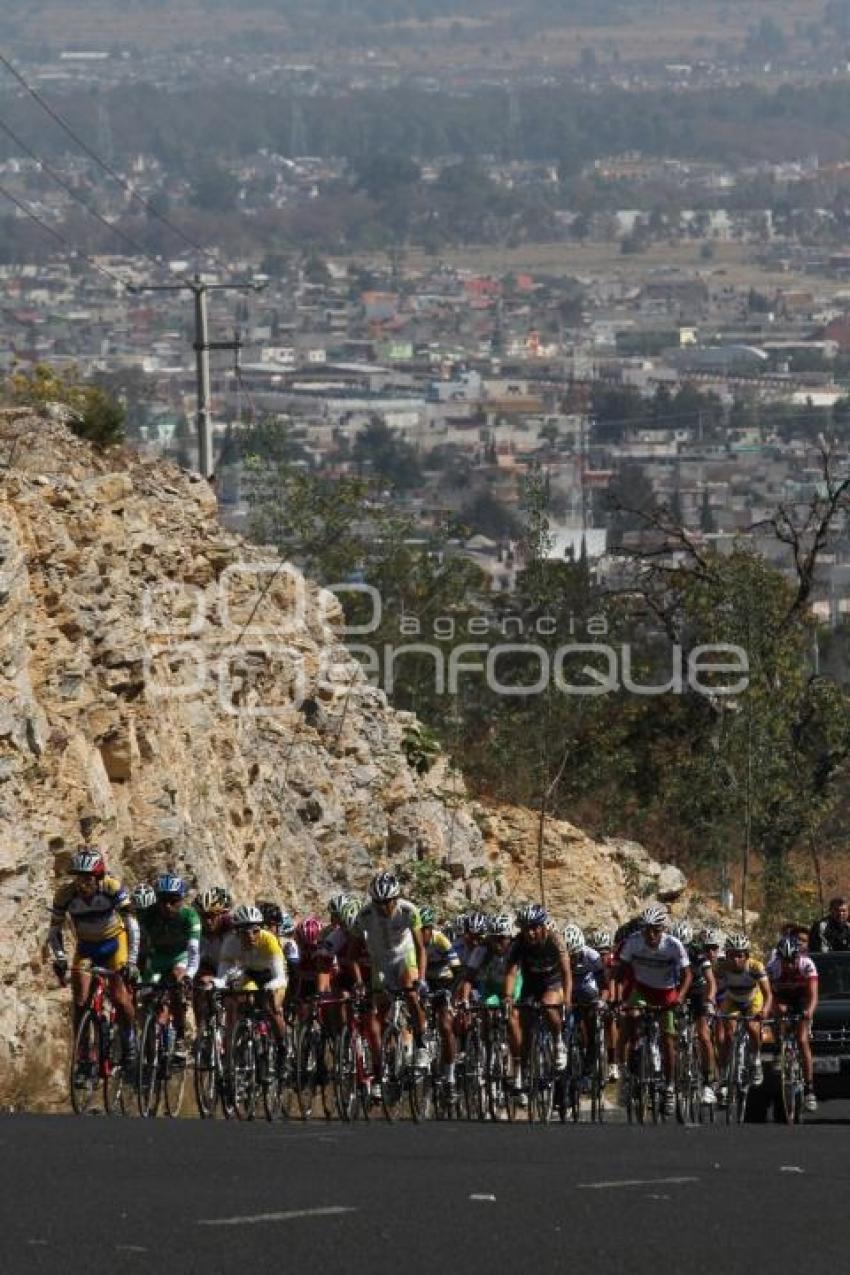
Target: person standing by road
832, 932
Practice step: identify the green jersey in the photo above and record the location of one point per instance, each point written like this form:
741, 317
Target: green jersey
169, 935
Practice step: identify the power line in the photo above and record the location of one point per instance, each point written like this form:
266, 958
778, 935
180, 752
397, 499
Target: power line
101, 163
66, 186
66, 243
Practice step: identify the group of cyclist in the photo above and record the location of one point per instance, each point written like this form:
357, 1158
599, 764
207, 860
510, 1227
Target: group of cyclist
390, 945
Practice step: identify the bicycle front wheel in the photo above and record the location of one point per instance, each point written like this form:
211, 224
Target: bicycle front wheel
113, 1078
392, 1073
173, 1079
541, 1077
149, 1081
206, 1068
85, 1063
269, 1075
243, 1070
473, 1077
791, 1083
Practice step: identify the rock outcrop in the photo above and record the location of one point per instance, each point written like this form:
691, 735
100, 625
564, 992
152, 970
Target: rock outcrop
183, 699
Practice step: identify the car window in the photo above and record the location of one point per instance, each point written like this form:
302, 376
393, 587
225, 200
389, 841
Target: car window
834, 976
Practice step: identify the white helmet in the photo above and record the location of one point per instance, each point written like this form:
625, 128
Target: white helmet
737, 943
573, 937
246, 914
682, 931
600, 940
655, 914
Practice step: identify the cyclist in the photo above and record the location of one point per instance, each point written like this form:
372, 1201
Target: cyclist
701, 1003
602, 941
539, 955
172, 938
389, 930
107, 935
794, 983
213, 908
746, 990
658, 972
590, 982
443, 960
252, 960
308, 934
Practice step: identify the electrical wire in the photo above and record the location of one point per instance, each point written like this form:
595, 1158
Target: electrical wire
66, 186
66, 243
101, 163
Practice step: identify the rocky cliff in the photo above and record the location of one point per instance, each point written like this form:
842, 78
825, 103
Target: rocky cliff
183, 699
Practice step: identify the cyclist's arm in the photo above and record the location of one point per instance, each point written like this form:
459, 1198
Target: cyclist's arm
685, 985
566, 976
811, 997
193, 957
710, 986
763, 984
278, 973
131, 925
421, 952
510, 981
55, 938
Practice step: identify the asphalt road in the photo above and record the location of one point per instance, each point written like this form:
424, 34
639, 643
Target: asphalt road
94, 1195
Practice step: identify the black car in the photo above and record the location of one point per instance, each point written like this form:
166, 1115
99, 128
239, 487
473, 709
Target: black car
831, 1026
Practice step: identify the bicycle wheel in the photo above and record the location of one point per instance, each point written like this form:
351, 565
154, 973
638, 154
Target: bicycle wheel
268, 1073
149, 1082
421, 1088
598, 1072
496, 1076
206, 1072
642, 1080
474, 1098
542, 1076
113, 1077
312, 1071
686, 1080
85, 1063
574, 1076
173, 1077
243, 1070
363, 1065
345, 1074
791, 1083
392, 1073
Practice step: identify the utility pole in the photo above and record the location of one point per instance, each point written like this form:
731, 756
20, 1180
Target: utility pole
202, 346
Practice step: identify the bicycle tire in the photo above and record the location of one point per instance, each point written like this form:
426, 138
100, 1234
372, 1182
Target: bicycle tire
495, 1075
598, 1072
542, 1066
206, 1072
242, 1067
791, 1083
421, 1084
345, 1075
114, 1101
392, 1073
269, 1075
173, 1079
474, 1099
149, 1079
84, 1072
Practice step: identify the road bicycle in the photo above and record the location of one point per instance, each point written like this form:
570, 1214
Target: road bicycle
791, 1084
256, 1058
538, 1056
499, 1067
161, 1073
737, 1075
212, 1088
97, 1058
352, 1071
688, 1075
644, 1078
400, 1076
312, 1068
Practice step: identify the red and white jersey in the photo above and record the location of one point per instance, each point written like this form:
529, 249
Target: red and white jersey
789, 982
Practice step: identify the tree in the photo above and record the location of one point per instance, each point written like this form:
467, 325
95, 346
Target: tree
214, 188
92, 413
386, 455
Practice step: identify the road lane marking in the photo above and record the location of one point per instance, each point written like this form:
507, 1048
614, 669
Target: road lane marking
605, 1186
490, 1199
288, 1216
791, 1168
